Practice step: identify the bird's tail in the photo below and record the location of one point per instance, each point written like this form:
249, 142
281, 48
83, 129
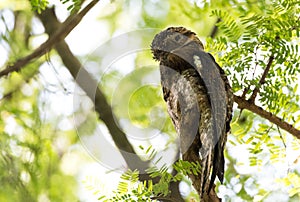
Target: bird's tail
206, 164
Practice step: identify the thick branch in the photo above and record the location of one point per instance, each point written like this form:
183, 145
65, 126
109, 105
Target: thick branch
262, 79
85, 81
102, 107
244, 104
60, 34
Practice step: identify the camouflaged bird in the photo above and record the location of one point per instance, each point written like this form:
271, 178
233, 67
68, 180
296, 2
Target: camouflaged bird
199, 101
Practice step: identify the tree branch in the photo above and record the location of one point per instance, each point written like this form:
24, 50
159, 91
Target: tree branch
262, 80
60, 34
103, 109
85, 81
250, 105
246, 104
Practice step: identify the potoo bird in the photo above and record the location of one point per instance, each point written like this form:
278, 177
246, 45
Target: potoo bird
199, 101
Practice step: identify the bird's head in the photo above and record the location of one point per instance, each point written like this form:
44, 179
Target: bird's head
174, 41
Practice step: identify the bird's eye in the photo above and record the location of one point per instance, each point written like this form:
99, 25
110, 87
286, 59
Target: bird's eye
177, 38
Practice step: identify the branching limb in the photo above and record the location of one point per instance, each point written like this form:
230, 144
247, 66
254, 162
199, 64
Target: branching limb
101, 106
104, 110
250, 105
245, 104
59, 35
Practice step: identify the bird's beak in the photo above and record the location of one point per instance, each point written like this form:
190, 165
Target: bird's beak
180, 47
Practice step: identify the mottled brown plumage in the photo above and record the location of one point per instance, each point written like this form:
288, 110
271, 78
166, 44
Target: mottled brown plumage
199, 100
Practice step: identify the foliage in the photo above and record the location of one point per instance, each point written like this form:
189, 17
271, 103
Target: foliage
293, 180
262, 160
130, 188
39, 5
29, 161
272, 33
31, 154
252, 40
74, 6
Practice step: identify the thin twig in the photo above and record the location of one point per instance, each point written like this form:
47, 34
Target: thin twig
215, 29
262, 79
70, 23
281, 137
164, 199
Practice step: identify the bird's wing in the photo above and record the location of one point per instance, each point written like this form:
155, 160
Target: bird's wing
208, 69
210, 74
182, 91
182, 103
